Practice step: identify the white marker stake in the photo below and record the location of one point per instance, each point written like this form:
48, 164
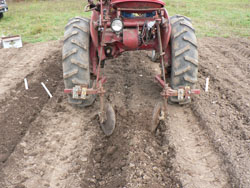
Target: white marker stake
26, 84
207, 83
46, 89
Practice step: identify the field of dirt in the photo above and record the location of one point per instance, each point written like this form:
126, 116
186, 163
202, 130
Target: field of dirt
47, 143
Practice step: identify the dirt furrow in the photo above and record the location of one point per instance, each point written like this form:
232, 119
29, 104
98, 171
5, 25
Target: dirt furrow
148, 160
20, 107
150, 155
224, 110
54, 150
132, 156
16, 64
196, 162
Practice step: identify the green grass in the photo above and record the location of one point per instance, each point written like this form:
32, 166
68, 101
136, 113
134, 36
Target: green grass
38, 21
226, 18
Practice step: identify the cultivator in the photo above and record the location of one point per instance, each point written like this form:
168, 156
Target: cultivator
161, 108
127, 25
106, 113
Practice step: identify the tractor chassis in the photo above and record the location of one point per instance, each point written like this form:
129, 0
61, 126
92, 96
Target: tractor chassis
106, 112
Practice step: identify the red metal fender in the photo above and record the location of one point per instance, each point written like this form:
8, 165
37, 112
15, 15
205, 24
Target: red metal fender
93, 57
93, 31
166, 34
160, 3
93, 41
167, 30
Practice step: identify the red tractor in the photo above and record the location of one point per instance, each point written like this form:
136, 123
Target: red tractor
127, 25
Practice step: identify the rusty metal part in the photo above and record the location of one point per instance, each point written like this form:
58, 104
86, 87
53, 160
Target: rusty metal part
108, 125
182, 92
106, 113
161, 51
162, 63
102, 115
158, 116
161, 108
81, 92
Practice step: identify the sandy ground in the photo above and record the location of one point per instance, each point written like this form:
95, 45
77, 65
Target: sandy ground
48, 143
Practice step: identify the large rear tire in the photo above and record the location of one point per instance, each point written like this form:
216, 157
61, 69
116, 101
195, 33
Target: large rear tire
184, 53
1, 15
76, 59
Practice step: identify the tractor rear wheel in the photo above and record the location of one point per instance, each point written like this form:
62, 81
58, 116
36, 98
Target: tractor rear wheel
1, 15
184, 68
75, 56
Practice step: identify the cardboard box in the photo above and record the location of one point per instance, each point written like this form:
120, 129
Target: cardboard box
12, 42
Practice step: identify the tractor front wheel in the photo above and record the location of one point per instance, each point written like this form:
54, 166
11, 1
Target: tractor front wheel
1, 15
76, 60
184, 68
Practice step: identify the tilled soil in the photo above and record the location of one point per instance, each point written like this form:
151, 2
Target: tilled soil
48, 143
225, 117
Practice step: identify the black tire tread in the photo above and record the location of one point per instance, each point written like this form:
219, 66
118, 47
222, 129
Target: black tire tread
83, 29
180, 32
184, 55
76, 59
187, 24
66, 37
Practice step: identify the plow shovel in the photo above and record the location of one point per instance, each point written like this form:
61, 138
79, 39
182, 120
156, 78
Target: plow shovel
108, 125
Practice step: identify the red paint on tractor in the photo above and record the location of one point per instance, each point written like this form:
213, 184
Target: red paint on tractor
93, 29
93, 57
138, 3
130, 39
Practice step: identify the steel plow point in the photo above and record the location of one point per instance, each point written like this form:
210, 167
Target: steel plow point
108, 126
158, 115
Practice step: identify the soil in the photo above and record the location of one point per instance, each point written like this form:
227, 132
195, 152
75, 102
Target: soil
45, 142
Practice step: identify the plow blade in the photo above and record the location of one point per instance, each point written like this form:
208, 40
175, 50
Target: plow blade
158, 116
108, 125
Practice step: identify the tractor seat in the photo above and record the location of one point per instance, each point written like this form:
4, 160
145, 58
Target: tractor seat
137, 4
